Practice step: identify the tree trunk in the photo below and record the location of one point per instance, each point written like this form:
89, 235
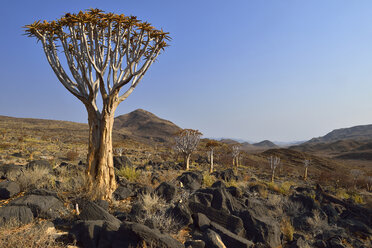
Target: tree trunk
272, 176
187, 161
100, 169
211, 169
305, 175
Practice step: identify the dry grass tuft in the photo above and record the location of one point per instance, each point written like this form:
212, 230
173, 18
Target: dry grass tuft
36, 177
33, 235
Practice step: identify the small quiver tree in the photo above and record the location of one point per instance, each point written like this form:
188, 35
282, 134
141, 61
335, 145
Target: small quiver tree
355, 173
187, 141
369, 183
211, 145
104, 53
274, 162
306, 165
235, 154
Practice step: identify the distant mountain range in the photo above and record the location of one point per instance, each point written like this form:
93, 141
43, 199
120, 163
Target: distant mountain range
345, 143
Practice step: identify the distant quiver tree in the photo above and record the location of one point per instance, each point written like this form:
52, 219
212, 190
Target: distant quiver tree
235, 153
103, 52
306, 165
187, 141
211, 145
274, 162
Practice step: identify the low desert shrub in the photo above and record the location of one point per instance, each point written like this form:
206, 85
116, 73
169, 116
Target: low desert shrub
130, 173
156, 214
208, 179
72, 155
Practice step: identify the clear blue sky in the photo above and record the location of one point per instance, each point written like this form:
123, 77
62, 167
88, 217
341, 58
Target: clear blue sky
261, 69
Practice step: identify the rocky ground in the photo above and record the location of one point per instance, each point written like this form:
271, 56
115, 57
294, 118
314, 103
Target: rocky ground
160, 205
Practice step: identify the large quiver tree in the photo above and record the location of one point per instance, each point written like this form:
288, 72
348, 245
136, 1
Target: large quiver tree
103, 52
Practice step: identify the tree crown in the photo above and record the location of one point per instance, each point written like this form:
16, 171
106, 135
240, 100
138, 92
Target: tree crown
104, 51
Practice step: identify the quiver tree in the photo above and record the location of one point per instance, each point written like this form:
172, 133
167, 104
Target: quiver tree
274, 162
187, 141
355, 173
306, 165
235, 154
103, 53
211, 145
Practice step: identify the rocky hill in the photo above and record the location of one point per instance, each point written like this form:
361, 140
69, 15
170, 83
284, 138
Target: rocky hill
145, 125
265, 143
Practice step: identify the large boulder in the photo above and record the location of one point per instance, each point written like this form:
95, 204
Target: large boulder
8, 189
191, 180
226, 175
167, 191
181, 213
45, 164
92, 211
223, 218
122, 161
134, 234
264, 229
223, 200
21, 214
43, 206
93, 233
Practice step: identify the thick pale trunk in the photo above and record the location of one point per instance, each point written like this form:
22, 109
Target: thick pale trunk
187, 161
211, 169
272, 176
100, 168
305, 174
237, 162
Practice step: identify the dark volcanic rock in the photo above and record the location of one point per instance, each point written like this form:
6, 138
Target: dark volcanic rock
166, 190
133, 234
92, 211
122, 161
41, 206
195, 244
122, 193
212, 239
45, 164
86, 233
94, 233
230, 239
227, 175
262, 229
181, 213
191, 180
21, 214
228, 221
222, 200
201, 221
8, 189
